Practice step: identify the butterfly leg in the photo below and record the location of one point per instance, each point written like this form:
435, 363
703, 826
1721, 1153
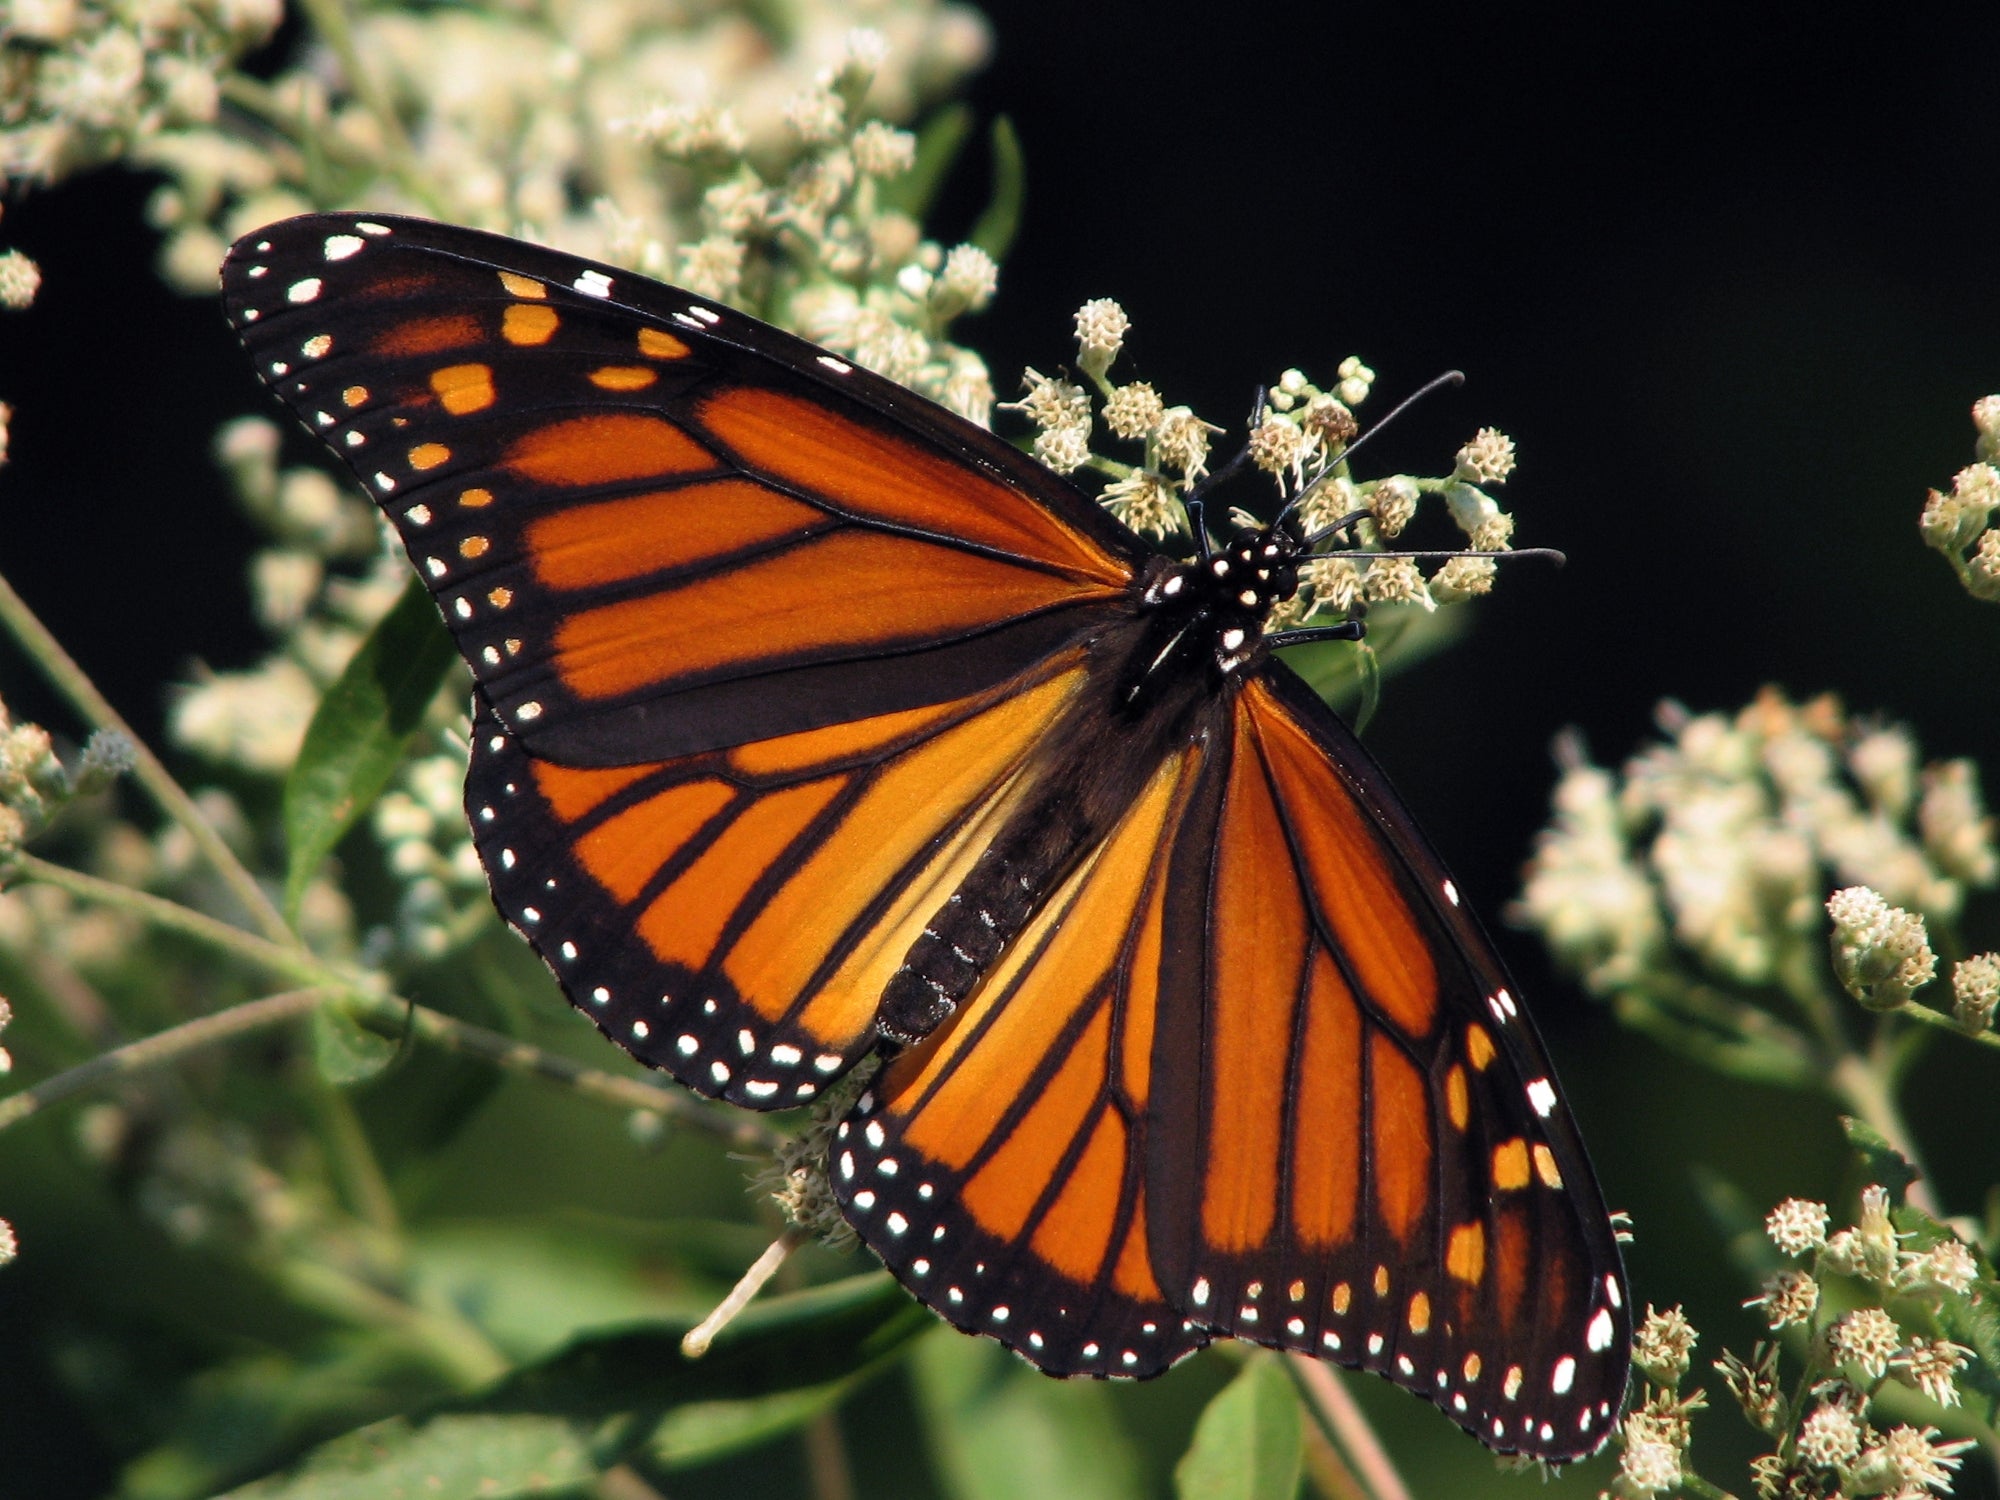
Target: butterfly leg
1347, 630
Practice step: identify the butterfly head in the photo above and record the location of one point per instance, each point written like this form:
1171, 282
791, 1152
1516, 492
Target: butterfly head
1217, 606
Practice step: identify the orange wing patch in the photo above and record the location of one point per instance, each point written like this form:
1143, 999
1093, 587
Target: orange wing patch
998, 1166
869, 473
734, 916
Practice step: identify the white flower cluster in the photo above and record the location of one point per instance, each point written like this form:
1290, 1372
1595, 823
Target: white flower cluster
82, 83
1952, 523
1728, 834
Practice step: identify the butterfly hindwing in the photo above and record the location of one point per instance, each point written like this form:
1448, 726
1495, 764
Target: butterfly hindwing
1000, 1167
1358, 1147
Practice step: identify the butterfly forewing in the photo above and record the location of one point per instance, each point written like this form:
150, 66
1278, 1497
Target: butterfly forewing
783, 672
656, 526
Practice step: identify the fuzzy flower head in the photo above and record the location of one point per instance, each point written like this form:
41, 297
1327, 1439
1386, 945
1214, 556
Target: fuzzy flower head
1830, 1437
1145, 502
1788, 1297
1133, 411
1664, 1345
1946, 1268
1487, 459
1910, 1457
1881, 953
1101, 326
1868, 1340
1797, 1226
1975, 991
1932, 1366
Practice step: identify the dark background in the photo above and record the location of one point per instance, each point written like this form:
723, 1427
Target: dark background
1729, 280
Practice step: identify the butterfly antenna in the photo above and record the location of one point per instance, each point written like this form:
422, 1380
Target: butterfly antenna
1450, 377
1197, 500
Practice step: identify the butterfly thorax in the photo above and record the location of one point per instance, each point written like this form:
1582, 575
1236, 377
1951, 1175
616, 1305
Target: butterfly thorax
1196, 630
1211, 611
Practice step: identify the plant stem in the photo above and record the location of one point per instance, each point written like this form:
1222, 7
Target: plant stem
1334, 1407
1863, 1090
70, 680
152, 1051
393, 1016
284, 959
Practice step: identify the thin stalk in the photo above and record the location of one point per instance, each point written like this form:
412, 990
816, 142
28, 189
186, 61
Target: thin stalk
1929, 1017
391, 1016
455, 1346
284, 959
331, 20
154, 1051
1343, 1421
72, 682
1862, 1089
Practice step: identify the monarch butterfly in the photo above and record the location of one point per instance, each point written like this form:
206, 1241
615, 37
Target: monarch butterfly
813, 721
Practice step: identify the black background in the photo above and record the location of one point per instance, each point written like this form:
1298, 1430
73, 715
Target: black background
1728, 276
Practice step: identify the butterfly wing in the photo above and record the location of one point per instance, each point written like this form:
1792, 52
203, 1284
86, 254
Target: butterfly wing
1254, 1072
1357, 1146
761, 640
999, 1168
654, 525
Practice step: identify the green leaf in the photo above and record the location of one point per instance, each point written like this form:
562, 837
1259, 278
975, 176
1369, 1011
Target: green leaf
999, 1431
939, 141
1882, 1162
345, 1051
553, 1426
447, 1457
1249, 1444
360, 732
997, 226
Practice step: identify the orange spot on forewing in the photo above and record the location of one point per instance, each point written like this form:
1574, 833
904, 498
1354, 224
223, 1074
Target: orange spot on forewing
818, 446
623, 377
1510, 1165
588, 546
529, 323
1465, 1254
655, 343
1352, 871
1327, 1133
606, 447
1400, 1132
462, 389
1457, 1098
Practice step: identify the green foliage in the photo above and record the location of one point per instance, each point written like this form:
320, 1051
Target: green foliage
1249, 1443
362, 732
